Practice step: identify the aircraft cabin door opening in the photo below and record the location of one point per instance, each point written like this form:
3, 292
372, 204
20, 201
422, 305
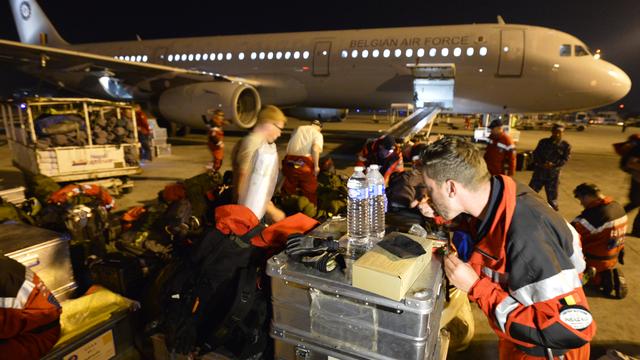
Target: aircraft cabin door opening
511, 58
321, 55
433, 85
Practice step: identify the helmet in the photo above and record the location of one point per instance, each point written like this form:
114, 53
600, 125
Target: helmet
31, 206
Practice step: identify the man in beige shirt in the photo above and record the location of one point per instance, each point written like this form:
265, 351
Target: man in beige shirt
300, 167
251, 178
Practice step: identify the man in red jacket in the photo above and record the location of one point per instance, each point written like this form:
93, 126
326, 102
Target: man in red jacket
29, 313
602, 226
518, 259
501, 151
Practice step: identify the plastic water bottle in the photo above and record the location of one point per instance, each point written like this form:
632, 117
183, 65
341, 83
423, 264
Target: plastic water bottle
358, 213
377, 203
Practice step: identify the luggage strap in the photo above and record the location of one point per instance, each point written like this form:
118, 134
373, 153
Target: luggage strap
244, 241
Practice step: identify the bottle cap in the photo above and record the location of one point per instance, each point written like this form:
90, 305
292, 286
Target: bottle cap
374, 166
358, 168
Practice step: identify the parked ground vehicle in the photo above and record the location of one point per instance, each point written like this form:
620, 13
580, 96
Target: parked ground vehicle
72, 139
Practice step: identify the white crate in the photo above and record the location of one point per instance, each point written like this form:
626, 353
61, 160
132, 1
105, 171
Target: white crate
162, 150
14, 195
158, 142
159, 133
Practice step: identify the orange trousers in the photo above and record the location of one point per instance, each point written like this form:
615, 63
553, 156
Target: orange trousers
509, 351
298, 174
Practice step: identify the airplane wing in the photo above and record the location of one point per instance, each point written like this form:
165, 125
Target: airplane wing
145, 77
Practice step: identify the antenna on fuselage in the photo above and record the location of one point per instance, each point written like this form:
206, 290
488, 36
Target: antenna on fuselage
501, 20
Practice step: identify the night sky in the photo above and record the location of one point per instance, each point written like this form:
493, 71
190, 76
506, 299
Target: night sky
612, 26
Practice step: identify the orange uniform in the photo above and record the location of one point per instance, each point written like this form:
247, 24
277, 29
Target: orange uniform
501, 152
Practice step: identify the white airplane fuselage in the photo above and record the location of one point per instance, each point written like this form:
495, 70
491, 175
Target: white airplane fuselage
495, 68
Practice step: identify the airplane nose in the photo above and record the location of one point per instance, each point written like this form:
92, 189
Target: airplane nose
618, 82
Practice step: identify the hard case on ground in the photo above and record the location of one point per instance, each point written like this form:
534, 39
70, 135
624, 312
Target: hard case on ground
43, 251
320, 315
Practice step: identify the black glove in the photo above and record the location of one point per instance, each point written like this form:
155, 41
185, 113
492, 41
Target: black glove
303, 245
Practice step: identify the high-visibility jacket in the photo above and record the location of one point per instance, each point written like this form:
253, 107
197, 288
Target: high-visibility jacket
29, 313
501, 151
602, 226
392, 163
70, 191
529, 259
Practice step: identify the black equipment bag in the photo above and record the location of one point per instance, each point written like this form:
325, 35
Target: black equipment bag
212, 302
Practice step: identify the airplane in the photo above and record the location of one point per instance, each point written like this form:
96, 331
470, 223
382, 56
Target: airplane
476, 68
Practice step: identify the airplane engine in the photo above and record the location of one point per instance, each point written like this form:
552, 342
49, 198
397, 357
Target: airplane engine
186, 104
322, 114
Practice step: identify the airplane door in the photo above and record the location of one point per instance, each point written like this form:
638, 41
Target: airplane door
160, 56
511, 53
321, 55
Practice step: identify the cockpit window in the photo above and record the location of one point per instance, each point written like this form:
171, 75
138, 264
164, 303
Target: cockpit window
580, 51
565, 50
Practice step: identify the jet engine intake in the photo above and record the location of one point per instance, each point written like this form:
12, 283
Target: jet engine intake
188, 103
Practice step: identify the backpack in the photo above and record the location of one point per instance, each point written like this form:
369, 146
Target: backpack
200, 314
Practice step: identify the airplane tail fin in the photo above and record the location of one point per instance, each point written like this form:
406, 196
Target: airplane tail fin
31, 21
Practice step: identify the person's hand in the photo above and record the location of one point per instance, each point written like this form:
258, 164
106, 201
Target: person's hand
426, 210
316, 170
459, 273
548, 165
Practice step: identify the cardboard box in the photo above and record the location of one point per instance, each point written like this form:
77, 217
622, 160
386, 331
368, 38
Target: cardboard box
385, 274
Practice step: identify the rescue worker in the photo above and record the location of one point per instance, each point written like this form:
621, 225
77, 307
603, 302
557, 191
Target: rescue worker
602, 226
29, 313
384, 152
629, 152
144, 134
516, 258
269, 126
501, 151
300, 166
215, 138
405, 192
549, 157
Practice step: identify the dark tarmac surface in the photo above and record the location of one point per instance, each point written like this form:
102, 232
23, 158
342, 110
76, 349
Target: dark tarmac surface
592, 160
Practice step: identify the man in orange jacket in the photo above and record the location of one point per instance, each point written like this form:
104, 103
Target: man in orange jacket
29, 313
501, 151
215, 138
518, 259
602, 226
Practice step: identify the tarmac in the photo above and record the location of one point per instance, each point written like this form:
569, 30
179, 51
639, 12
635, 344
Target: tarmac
592, 160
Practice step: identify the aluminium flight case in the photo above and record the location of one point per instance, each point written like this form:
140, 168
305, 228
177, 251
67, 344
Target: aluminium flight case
44, 251
321, 316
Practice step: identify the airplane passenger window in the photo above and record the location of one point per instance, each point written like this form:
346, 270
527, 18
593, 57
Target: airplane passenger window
126, 58
375, 53
444, 52
183, 57
220, 56
420, 52
457, 52
198, 57
580, 51
432, 52
205, 56
261, 55
212, 56
565, 50
470, 51
354, 53
397, 53
190, 57
279, 55
287, 55
253, 55
229, 56
296, 55
483, 51
409, 53
241, 56
344, 54
386, 53
365, 53
270, 55
305, 54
